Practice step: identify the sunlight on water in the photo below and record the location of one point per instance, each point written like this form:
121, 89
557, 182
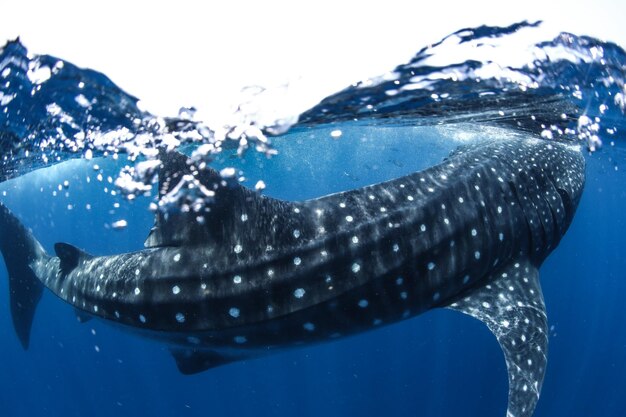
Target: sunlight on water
568, 88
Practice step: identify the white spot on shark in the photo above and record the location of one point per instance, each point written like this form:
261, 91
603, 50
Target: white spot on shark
193, 340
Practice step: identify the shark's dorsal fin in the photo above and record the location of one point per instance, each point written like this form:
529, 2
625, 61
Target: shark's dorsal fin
192, 361
512, 306
69, 256
175, 165
177, 223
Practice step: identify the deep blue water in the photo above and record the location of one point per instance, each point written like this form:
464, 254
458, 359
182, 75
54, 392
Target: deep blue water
438, 364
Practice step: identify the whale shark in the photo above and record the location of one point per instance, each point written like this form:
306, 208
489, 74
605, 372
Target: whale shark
253, 274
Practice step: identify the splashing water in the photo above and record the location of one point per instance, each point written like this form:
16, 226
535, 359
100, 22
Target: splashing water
568, 88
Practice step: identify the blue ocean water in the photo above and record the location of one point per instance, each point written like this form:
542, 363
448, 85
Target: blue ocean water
438, 364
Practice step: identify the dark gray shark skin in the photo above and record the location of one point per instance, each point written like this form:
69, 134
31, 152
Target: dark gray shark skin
257, 274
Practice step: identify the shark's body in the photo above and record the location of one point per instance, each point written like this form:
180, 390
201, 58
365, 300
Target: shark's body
258, 273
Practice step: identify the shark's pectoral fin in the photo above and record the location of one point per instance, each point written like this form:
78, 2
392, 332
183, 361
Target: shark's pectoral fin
193, 361
512, 306
69, 256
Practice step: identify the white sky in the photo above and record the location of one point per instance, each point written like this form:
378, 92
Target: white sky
175, 53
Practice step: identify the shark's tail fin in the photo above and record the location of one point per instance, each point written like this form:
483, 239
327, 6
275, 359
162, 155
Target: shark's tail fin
19, 249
